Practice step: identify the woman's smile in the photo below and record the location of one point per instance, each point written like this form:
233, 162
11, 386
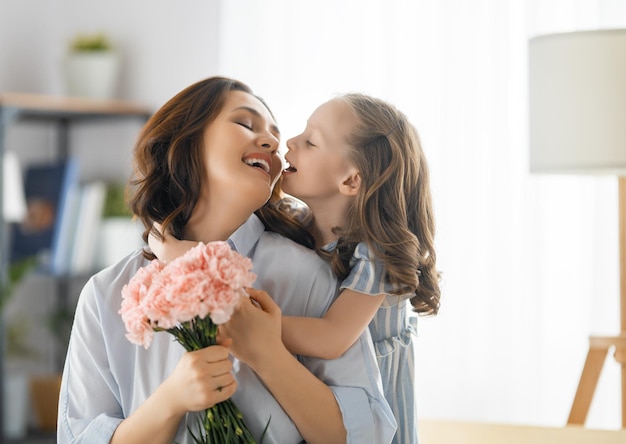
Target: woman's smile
260, 161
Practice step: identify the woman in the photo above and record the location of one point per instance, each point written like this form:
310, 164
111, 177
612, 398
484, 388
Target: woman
205, 162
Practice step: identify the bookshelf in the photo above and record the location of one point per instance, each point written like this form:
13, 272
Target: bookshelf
63, 112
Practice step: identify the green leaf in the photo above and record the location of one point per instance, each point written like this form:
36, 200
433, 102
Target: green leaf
16, 273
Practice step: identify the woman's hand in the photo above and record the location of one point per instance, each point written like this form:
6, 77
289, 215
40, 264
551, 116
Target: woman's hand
201, 379
169, 248
255, 330
254, 327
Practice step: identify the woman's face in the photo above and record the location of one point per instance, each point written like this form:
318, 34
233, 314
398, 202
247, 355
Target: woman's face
318, 158
240, 153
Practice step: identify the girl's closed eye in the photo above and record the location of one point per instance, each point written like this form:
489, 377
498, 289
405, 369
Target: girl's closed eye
309, 143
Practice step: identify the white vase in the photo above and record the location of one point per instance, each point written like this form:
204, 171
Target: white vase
16, 403
92, 73
117, 237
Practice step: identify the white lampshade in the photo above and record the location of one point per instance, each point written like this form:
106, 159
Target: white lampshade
577, 102
13, 200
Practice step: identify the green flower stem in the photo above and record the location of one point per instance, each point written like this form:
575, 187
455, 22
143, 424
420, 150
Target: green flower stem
223, 423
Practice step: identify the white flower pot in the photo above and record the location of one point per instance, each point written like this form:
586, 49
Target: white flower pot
117, 237
92, 73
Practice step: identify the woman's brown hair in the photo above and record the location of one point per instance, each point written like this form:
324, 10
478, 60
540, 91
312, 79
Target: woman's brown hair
393, 211
168, 162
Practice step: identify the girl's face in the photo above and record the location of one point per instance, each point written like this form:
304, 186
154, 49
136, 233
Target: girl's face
318, 158
240, 154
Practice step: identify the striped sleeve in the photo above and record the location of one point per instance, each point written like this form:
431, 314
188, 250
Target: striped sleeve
367, 274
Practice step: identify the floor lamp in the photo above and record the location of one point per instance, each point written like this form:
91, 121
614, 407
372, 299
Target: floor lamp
577, 123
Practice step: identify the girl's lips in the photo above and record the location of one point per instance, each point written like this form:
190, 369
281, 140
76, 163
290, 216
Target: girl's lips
290, 168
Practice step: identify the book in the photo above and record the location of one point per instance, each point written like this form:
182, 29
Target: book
63, 243
13, 199
46, 188
90, 206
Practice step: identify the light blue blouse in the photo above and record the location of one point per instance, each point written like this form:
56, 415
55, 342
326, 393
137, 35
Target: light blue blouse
106, 377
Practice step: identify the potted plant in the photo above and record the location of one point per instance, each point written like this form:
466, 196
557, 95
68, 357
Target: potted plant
119, 233
91, 66
16, 325
17, 347
22, 387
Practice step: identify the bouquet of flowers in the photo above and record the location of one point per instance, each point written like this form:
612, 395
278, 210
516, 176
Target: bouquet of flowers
189, 298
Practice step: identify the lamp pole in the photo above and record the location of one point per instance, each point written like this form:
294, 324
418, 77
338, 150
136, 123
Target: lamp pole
620, 349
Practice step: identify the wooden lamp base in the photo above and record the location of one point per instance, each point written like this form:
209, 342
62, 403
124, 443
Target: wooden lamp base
598, 349
599, 345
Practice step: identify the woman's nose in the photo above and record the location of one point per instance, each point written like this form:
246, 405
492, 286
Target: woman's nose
268, 142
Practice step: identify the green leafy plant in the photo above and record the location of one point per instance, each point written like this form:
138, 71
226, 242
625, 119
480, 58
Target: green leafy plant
91, 42
115, 202
17, 327
17, 271
16, 333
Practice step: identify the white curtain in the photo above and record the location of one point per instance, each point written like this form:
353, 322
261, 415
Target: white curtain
529, 262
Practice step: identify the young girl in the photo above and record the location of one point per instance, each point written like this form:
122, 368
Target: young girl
204, 163
360, 169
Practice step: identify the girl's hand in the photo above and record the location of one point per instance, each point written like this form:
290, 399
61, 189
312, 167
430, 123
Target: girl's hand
255, 328
201, 379
169, 248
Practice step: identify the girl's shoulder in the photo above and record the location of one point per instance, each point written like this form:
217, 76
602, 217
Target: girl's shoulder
367, 273
363, 252
369, 276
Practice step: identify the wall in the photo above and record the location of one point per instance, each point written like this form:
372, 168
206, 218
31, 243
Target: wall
164, 48
164, 45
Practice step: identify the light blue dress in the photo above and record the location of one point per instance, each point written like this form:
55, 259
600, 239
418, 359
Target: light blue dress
392, 330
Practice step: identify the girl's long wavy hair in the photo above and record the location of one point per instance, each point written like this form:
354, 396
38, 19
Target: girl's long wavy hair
393, 210
169, 168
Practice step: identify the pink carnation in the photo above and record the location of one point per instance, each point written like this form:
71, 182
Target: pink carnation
208, 280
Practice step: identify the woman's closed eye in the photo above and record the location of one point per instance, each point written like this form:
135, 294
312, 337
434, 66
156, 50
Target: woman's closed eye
245, 124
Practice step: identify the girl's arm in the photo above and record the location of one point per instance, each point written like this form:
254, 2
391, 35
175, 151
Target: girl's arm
256, 340
329, 337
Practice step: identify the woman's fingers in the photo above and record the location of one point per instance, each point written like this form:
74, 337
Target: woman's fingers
254, 328
212, 354
264, 300
202, 378
223, 392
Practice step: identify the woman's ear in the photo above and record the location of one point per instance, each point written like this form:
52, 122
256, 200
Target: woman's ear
351, 184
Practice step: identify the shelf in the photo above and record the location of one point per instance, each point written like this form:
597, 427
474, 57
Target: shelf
46, 107
62, 112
